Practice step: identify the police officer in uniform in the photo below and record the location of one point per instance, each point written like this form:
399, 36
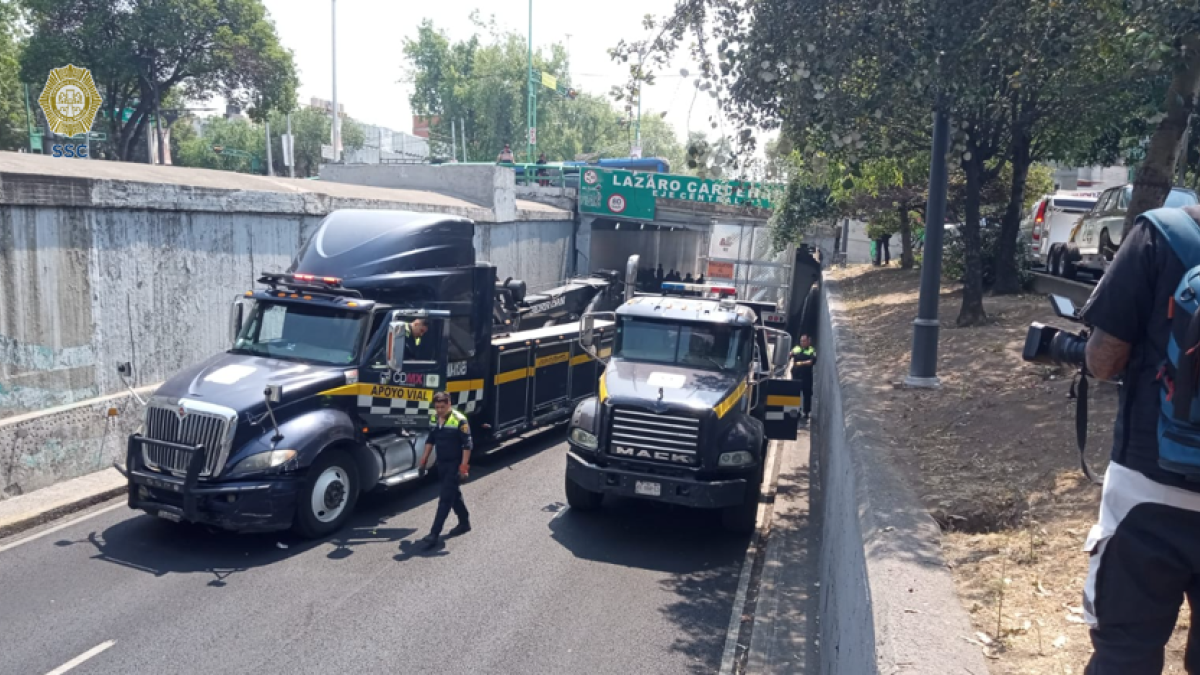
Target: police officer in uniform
449, 433
804, 357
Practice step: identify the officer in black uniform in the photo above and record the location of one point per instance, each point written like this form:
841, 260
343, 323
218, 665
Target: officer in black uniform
449, 433
804, 358
1145, 549
414, 350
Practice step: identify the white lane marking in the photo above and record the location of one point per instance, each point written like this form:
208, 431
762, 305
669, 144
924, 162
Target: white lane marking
56, 528
739, 601
82, 657
559, 514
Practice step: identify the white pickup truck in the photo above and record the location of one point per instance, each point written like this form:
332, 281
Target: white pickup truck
1048, 224
1097, 236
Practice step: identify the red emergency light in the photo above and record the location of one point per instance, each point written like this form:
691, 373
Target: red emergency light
331, 281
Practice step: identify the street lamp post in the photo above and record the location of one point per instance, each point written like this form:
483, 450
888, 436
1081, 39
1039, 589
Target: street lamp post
337, 133
923, 368
531, 115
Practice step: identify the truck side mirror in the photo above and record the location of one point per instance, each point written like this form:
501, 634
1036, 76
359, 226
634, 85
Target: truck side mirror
587, 331
397, 331
783, 350
237, 316
631, 270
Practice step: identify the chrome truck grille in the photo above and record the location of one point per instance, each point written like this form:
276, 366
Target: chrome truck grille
670, 439
181, 422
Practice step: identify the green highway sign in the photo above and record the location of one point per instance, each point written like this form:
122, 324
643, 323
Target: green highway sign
632, 194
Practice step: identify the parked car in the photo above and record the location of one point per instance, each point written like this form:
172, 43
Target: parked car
1048, 223
1097, 236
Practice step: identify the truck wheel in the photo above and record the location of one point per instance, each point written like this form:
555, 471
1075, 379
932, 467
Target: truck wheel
582, 499
1053, 260
743, 517
1106, 246
328, 495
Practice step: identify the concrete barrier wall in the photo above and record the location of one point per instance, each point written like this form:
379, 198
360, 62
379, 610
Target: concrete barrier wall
888, 603
493, 187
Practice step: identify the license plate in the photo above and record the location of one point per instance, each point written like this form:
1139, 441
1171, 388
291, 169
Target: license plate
648, 488
167, 515
164, 485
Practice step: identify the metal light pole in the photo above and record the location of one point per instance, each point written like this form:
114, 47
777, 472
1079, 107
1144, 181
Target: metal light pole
923, 369
270, 160
337, 132
531, 115
291, 151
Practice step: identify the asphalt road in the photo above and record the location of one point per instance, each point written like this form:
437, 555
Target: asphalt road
535, 588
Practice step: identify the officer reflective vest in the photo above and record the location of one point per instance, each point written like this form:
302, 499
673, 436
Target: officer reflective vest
802, 372
450, 438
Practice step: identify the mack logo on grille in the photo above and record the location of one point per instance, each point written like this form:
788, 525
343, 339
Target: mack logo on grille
657, 455
181, 413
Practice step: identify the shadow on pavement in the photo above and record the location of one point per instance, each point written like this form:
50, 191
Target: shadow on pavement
702, 559
155, 546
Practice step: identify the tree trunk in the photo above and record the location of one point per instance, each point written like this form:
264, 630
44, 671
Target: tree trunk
1008, 279
1153, 181
906, 247
972, 313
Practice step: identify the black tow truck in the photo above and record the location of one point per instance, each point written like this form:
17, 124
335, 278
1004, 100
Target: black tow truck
327, 391
686, 406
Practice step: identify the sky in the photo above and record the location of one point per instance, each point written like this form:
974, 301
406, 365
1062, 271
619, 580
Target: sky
371, 34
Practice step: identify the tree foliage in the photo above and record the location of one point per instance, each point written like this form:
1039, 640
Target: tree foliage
13, 126
310, 126
141, 51
482, 81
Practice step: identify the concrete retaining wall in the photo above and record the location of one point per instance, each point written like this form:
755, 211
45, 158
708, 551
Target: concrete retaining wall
493, 187
887, 601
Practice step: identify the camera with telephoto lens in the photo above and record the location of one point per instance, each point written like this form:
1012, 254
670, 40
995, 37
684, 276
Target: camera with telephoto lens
1057, 346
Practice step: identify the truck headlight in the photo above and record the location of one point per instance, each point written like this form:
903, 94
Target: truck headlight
263, 461
584, 438
739, 458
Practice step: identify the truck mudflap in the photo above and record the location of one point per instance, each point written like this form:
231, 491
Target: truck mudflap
245, 506
781, 417
682, 491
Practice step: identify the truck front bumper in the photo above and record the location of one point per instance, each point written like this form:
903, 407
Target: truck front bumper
263, 505
683, 491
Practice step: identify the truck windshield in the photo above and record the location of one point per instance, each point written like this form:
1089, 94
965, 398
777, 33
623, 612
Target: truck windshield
298, 332
696, 345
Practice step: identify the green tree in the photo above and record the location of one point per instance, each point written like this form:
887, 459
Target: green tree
13, 125
483, 82
311, 127
141, 51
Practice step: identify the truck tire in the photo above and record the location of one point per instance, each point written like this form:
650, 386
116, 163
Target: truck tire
1054, 259
580, 498
743, 518
1106, 246
328, 494
1069, 270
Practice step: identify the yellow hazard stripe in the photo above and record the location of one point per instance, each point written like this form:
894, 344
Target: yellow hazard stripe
783, 401
604, 352
455, 386
381, 391
731, 400
513, 375
582, 358
603, 389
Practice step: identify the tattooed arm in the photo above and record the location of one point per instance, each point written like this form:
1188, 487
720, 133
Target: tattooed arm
1107, 356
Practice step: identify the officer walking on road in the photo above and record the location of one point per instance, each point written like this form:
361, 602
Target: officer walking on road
804, 357
449, 433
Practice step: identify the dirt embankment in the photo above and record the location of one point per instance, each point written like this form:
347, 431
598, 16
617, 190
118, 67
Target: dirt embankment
993, 456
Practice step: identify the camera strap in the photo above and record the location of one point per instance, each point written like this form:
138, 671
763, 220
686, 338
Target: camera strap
1081, 414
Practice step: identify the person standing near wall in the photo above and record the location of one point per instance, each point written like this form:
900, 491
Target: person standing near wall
804, 358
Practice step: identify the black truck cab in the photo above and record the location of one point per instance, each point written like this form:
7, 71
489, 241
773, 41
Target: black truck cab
325, 394
685, 408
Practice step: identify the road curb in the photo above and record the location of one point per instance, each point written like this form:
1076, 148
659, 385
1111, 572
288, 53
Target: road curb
18, 514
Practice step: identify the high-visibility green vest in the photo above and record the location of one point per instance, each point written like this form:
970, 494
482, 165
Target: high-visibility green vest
803, 351
452, 422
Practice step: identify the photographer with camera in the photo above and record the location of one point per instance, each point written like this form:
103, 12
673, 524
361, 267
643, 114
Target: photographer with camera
1145, 549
